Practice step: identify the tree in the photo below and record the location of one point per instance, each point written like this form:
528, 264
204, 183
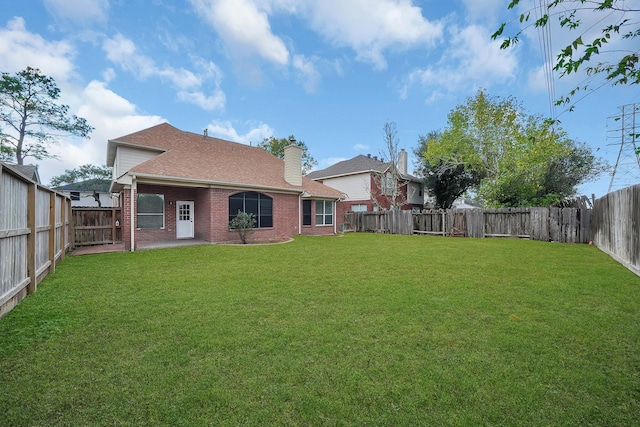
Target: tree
276, 147
82, 173
387, 186
243, 223
445, 181
523, 160
28, 109
617, 21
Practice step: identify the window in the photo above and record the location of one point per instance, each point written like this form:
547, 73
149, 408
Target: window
259, 205
75, 195
324, 212
306, 212
387, 184
150, 211
358, 208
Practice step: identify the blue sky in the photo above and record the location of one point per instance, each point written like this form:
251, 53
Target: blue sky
330, 72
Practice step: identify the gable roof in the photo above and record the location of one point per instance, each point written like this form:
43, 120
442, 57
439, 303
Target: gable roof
199, 159
28, 171
96, 184
356, 165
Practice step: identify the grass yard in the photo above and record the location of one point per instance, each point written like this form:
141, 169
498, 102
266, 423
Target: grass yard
360, 330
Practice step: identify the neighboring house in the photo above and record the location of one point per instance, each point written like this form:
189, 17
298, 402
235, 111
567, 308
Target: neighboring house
28, 171
361, 179
181, 185
89, 193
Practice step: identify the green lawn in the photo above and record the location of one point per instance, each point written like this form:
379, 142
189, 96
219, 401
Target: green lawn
357, 330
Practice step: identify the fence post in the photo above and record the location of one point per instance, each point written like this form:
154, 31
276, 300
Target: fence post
31, 239
52, 232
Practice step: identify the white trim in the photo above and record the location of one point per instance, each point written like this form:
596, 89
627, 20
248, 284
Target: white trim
300, 214
132, 228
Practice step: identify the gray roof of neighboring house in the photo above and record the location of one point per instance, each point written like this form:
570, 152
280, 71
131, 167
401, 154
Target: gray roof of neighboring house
90, 185
358, 164
28, 171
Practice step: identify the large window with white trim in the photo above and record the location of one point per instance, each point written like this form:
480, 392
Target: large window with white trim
150, 211
324, 212
251, 202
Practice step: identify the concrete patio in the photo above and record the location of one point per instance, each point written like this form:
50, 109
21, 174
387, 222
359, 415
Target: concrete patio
119, 247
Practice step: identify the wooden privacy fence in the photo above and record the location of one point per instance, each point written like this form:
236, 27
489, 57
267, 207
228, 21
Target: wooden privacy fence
393, 222
616, 226
96, 226
34, 235
567, 225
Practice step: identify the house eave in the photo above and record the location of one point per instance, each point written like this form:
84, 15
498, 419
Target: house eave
142, 178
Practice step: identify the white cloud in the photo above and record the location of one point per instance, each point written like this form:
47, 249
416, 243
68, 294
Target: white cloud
209, 103
485, 11
226, 130
244, 27
78, 11
111, 115
307, 72
471, 60
19, 48
360, 147
189, 84
370, 28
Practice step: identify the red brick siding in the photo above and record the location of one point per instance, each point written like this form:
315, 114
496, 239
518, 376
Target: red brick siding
211, 215
384, 202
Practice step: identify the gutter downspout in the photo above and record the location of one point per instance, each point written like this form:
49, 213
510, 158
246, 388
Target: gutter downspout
300, 214
335, 217
134, 189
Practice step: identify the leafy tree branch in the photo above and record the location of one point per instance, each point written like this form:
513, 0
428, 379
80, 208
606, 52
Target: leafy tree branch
31, 116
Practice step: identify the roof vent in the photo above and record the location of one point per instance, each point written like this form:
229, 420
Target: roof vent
369, 155
206, 133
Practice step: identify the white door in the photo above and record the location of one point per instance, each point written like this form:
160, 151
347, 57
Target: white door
184, 220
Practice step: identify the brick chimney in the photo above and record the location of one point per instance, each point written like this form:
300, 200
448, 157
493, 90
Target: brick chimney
293, 163
402, 161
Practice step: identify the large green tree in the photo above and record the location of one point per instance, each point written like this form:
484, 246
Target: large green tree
524, 160
31, 118
600, 54
82, 173
446, 182
276, 147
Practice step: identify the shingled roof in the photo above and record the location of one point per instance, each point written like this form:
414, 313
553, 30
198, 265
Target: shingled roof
358, 164
199, 159
28, 171
95, 184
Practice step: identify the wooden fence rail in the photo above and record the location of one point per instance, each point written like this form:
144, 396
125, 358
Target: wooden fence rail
567, 225
34, 235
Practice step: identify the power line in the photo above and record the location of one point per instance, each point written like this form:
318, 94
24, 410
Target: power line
626, 134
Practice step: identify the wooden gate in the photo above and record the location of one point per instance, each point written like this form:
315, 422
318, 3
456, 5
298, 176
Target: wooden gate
97, 226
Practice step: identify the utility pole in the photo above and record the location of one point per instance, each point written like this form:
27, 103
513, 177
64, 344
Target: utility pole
626, 134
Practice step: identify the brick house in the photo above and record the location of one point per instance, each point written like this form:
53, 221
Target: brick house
177, 185
362, 179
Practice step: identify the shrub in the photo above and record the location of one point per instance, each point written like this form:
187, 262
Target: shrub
243, 223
